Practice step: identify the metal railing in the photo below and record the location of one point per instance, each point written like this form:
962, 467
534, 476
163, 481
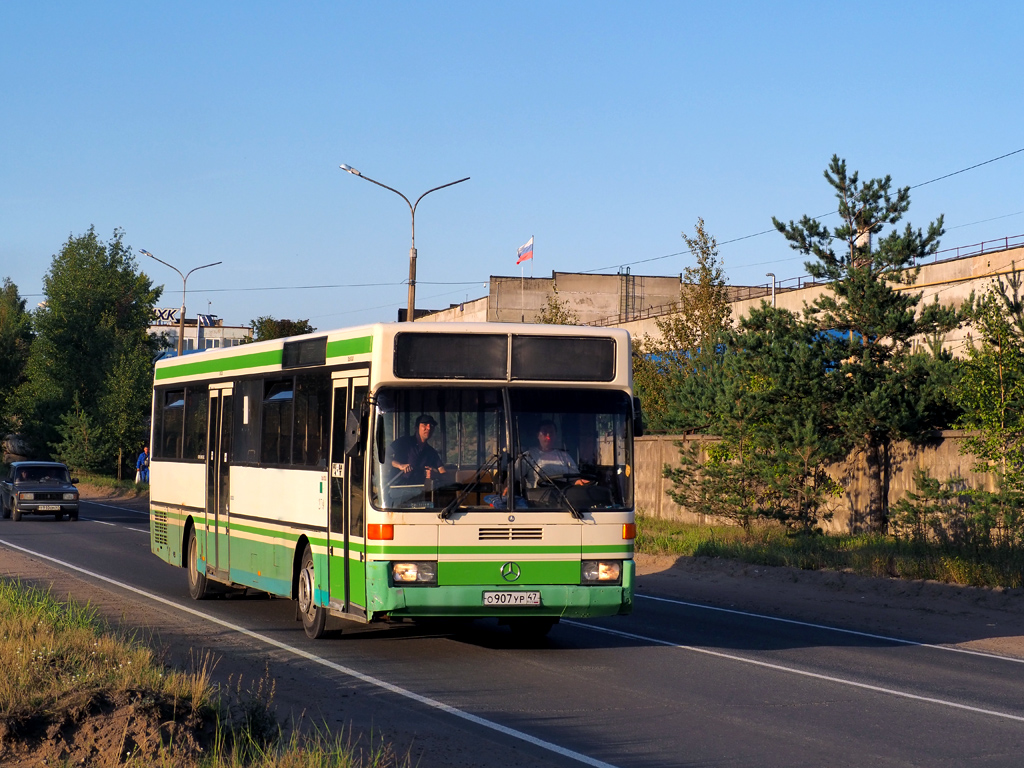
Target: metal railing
747, 292
985, 246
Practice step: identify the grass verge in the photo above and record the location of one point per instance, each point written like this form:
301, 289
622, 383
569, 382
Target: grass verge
864, 554
74, 691
125, 486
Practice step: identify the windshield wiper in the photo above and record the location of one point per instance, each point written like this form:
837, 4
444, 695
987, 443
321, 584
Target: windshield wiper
542, 475
450, 508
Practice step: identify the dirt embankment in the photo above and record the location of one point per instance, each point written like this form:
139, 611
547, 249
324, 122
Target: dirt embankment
134, 499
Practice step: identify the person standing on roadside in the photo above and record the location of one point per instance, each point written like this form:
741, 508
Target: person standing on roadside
142, 466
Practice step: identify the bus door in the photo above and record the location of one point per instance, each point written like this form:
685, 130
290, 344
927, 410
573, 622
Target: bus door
347, 535
218, 490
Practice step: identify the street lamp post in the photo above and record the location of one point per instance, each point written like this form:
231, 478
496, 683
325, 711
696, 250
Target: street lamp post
772, 276
410, 316
184, 281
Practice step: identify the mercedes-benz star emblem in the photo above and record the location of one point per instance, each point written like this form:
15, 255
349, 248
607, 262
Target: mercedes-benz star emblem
511, 571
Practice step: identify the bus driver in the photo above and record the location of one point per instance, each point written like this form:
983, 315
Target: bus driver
546, 462
413, 457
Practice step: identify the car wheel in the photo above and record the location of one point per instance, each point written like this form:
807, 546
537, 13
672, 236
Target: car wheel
72, 516
314, 617
58, 516
7, 510
16, 513
197, 584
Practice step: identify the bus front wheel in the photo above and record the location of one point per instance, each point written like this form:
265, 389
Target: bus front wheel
314, 617
197, 584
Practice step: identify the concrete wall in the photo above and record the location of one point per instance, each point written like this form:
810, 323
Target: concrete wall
594, 298
467, 312
941, 457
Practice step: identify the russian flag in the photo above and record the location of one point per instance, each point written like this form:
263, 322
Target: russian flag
525, 252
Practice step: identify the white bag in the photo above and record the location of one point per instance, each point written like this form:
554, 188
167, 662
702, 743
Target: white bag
138, 476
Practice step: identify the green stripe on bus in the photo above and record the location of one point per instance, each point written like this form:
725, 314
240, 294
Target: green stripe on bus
362, 345
532, 572
622, 549
238, 362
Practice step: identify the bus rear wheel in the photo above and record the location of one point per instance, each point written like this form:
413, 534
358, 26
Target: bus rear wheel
314, 617
197, 585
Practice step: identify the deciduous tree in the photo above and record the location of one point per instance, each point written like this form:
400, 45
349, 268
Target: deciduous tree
267, 327
687, 341
15, 342
557, 311
96, 315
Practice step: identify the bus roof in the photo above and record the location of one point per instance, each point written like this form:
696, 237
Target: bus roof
372, 346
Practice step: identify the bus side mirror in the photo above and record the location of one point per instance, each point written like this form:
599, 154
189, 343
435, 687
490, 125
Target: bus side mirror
353, 434
638, 418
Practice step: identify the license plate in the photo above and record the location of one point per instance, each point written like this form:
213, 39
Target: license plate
511, 599
49, 507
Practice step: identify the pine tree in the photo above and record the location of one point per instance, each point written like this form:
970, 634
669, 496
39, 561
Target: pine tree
875, 317
772, 409
991, 390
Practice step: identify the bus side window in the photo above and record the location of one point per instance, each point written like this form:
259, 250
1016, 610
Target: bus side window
248, 396
195, 423
172, 418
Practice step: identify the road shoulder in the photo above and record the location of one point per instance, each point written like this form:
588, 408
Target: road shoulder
980, 619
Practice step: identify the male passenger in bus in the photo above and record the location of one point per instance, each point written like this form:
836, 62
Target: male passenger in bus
414, 459
546, 463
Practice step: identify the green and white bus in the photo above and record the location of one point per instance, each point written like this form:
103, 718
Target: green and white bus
396, 470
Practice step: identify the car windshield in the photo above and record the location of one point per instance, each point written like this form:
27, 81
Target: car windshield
449, 449
41, 474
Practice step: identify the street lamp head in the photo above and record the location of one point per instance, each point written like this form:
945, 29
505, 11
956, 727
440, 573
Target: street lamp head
143, 250
350, 169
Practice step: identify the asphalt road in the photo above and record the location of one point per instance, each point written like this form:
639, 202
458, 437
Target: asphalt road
671, 685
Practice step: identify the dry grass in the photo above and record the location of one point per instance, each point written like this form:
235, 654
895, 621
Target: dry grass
865, 554
59, 661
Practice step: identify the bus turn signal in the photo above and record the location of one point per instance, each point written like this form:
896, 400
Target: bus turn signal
380, 531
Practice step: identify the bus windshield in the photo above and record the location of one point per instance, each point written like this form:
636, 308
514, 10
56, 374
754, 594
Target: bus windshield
449, 448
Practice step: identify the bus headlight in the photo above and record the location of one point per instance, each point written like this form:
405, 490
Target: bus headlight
601, 572
414, 573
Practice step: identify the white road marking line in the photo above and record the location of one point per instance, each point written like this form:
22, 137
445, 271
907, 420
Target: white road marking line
119, 509
749, 614
433, 703
115, 525
801, 672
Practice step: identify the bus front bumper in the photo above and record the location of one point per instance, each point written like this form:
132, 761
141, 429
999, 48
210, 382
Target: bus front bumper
562, 600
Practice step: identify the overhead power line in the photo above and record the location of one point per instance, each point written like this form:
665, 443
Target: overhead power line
829, 213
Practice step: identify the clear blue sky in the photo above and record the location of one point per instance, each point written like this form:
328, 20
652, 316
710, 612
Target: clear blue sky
214, 131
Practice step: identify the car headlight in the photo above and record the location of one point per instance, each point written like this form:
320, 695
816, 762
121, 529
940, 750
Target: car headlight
27, 496
70, 497
414, 573
601, 572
